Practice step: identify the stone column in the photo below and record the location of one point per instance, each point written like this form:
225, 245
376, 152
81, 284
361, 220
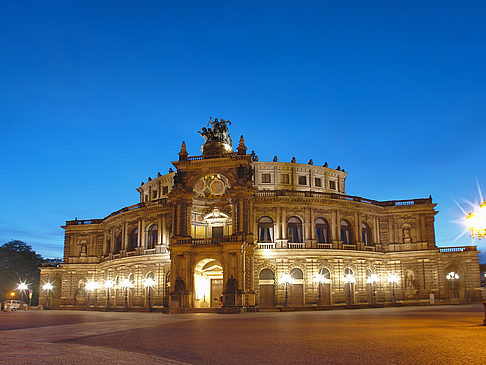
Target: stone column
337, 226
284, 224
357, 232
189, 218
376, 231
159, 231
177, 219
308, 226
142, 234
173, 214
240, 215
164, 229
125, 237
278, 227
112, 243
233, 218
139, 234
312, 224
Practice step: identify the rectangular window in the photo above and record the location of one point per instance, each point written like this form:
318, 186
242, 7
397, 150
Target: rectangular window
266, 178
332, 185
284, 179
302, 180
154, 194
165, 190
318, 182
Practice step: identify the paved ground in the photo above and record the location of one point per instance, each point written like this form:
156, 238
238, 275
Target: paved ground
407, 335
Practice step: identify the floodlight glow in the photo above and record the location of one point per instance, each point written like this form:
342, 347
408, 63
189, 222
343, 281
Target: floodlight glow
48, 286
22, 286
373, 278
286, 278
148, 282
92, 285
349, 279
452, 276
392, 278
126, 283
476, 221
108, 284
321, 279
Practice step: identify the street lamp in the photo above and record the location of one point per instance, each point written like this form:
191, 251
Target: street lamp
476, 221
349, 279
48, 288
286, 279
148, 283
373, 279
393, 279
320, 279
108, 284
126, 284
453, 277
92, 286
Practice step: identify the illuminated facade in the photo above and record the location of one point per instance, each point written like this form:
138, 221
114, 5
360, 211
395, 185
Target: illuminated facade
226, 230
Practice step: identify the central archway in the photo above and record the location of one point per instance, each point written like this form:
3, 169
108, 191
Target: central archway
208, 283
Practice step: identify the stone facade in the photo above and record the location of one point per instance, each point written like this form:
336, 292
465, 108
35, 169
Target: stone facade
226, 230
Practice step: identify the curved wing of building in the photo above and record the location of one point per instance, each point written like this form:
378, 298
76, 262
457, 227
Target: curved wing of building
228, 231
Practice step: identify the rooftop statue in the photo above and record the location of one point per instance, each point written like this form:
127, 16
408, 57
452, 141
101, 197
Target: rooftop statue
218, 133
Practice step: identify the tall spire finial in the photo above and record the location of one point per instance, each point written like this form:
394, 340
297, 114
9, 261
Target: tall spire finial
241, 147
183, 153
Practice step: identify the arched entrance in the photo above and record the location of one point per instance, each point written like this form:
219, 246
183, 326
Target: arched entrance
267, 288
325, 286
297, 288
208, 283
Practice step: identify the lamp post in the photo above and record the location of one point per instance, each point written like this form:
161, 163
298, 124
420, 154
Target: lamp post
126, 284
108, 284
393, 279
476, 222
373, 279
286, 279
320, 279
349, 279
48, 288
92, 286
148, 283
453, 277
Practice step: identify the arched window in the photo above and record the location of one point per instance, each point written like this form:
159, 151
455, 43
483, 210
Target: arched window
118, 243
133, 240
346, 236
322, 230
295, 230
265, 229
297, 274
365, 234
267, 274
152, 236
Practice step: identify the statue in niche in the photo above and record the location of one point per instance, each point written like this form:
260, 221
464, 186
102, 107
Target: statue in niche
179, 285
83, 249
409, 279
231, 285
406, 233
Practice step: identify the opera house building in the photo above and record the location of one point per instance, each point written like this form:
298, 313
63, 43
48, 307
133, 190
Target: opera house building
226, 231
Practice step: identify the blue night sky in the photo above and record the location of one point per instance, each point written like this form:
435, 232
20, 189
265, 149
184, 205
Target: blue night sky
95, 96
